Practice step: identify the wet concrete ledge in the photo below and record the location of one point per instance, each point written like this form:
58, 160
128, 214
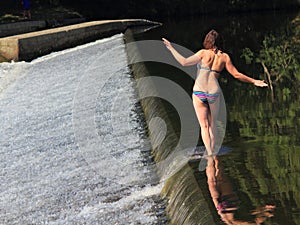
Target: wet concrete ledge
25, 47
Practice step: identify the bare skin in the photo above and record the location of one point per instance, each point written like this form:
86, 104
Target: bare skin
206, 56
207, 81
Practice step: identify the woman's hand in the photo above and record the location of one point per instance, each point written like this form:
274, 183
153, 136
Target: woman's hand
167, 44
260, 83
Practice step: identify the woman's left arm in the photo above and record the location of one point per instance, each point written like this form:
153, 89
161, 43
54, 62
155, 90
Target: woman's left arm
242, 77
192, 60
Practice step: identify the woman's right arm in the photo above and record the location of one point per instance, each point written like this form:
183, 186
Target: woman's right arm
242, 77
192, 60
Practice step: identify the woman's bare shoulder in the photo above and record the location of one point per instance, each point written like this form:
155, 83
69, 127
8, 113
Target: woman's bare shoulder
200, 53
225, 56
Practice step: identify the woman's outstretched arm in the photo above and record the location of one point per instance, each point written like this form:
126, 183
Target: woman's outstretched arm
192, 60
242, 77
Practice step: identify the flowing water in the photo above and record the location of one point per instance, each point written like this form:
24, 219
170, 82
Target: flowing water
73, 145
262, 131
74, 148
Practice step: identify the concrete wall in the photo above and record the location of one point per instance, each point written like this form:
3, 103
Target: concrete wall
31, 45
21, 27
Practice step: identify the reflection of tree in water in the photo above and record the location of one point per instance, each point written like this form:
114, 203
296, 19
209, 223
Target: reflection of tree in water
225, 198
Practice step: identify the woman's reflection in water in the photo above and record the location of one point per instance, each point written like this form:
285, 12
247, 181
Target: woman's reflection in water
226, 200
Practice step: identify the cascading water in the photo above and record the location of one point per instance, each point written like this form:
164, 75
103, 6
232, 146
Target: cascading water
72, 147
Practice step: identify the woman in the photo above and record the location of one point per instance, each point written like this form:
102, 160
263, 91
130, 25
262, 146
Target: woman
206, 91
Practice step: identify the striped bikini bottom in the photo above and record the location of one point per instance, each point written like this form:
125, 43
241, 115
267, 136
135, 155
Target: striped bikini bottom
206, 97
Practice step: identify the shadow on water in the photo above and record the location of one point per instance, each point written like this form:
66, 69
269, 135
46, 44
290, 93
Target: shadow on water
264, 162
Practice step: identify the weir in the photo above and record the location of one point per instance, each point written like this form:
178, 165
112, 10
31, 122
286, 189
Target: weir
31, 45
72, 147
188, 203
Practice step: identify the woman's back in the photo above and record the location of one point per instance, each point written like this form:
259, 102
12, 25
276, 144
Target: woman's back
212, 63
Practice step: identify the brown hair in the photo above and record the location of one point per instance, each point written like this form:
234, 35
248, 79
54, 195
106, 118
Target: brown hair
212, 40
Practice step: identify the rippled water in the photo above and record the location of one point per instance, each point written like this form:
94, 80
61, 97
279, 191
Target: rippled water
263, 136
73, 149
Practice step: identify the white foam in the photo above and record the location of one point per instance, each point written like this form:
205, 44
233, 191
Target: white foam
59, 53
48, 177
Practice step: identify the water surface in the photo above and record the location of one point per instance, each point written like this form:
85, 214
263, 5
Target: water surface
263, 135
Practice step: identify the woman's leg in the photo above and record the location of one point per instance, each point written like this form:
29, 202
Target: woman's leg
202, 112
213, 130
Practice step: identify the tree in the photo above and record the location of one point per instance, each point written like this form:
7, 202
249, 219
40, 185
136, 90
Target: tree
279, 59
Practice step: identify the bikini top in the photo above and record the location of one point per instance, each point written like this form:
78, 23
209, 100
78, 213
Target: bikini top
206, 68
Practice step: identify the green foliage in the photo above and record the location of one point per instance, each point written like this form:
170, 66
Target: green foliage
280, 58
248, 55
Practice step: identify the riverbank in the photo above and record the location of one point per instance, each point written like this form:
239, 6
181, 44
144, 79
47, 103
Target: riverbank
49, 14
12, 21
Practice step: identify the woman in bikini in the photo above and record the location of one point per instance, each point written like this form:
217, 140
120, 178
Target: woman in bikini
210, 62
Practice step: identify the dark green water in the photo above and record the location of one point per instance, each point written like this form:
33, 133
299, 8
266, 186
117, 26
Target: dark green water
264, 163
